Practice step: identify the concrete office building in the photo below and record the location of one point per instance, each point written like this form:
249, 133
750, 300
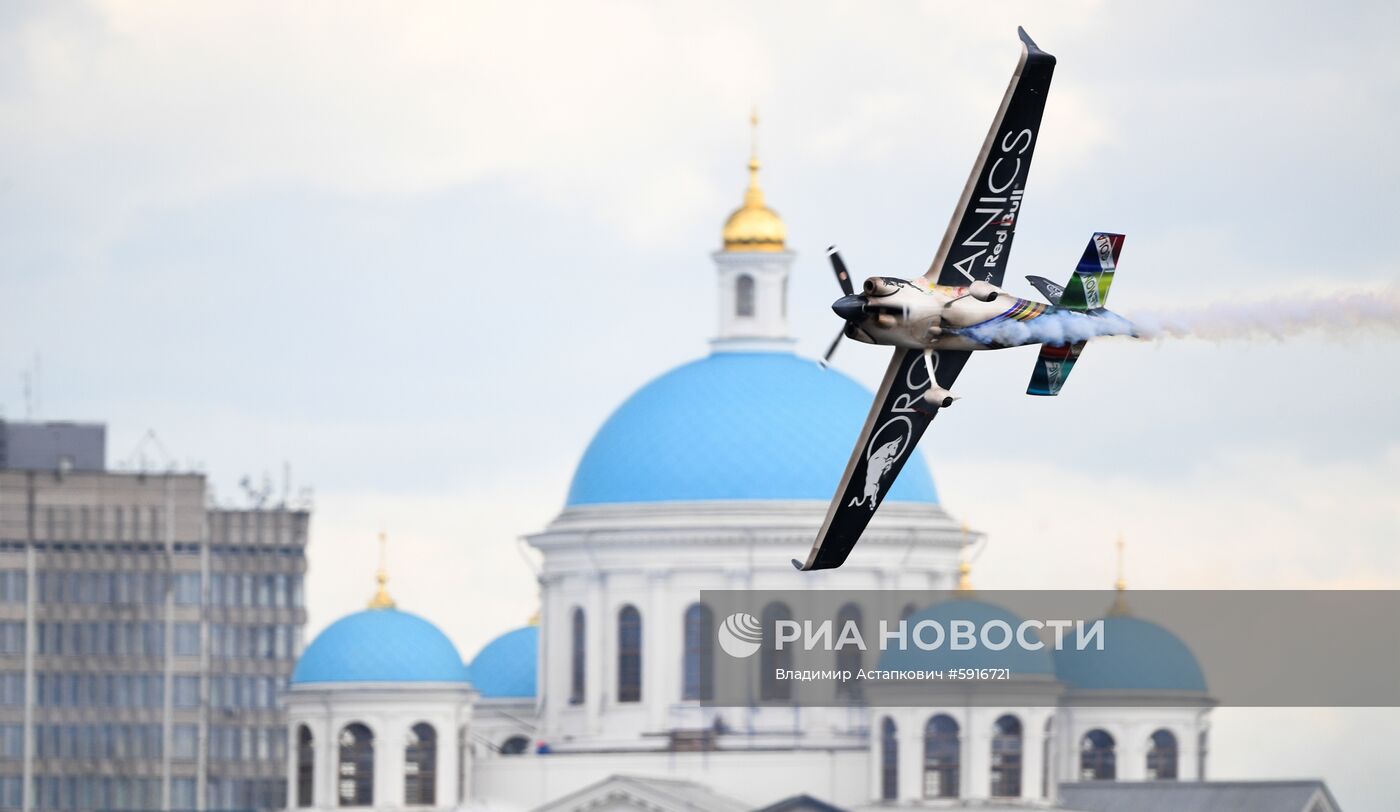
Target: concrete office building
144, 635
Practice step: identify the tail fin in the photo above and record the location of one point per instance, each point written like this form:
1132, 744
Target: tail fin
1087, 288
1052, 368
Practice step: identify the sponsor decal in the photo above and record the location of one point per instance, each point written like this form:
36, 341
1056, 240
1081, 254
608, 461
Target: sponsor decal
996, 207
1091, 290
740, 635
1105, 246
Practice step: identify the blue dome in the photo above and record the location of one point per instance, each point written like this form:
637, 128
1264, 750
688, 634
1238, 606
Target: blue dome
735, 425
380, 645
1021, 662
506, 666
1137, 655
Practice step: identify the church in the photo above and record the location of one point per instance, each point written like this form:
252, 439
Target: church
710, 477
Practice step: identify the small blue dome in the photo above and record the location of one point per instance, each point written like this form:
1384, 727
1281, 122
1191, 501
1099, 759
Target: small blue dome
506, 666
735, 425
380, 645
1019, 661
1137, 655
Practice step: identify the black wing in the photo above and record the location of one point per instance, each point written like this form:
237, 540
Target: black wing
978, 239
893, 428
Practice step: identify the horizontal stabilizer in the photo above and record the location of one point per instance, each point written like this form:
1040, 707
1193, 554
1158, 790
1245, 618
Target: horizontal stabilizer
1051, 291
1052, 368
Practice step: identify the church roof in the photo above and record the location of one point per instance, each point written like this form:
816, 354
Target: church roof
1199, 796
735, 425
380, 645
1138, 655
507, 666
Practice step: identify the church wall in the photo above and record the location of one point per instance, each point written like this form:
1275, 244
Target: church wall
837, 776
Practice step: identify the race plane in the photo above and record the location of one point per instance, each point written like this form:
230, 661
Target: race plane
957, 307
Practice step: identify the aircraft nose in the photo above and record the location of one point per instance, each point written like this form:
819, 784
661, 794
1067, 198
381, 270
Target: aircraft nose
850, 308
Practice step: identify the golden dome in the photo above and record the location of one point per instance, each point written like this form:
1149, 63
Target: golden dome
753, 226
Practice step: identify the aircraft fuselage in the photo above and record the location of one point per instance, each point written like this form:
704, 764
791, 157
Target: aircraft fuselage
903, 313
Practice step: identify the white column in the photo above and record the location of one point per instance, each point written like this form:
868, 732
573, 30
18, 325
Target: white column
327, 760
596, 625
1032, 750
388, 762
976, 776
655, 653
911, 753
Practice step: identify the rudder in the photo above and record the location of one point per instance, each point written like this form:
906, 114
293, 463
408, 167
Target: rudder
1087, 288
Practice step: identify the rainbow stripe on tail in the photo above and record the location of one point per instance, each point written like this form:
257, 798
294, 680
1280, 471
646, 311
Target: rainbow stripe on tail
1087, 289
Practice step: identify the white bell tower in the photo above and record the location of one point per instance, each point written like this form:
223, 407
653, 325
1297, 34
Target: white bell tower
753, 271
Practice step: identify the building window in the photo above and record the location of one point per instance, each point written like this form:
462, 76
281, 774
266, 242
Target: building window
1161, 757
515, 746
355, 770
1006, 757
1096, 761
942, 757
889, 760
848, 656
771, 658
629, 655
698, 663
420, 766
577, 663
743, 295
306, 767
1202, 746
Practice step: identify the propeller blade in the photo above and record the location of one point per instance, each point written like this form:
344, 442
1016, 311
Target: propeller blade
830, 351
842, 278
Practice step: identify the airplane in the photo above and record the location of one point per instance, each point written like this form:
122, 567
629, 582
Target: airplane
935, 322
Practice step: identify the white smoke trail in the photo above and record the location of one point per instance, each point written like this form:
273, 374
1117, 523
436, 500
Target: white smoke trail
1057, 328
1337, 315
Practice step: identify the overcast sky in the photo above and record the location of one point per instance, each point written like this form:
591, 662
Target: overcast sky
389, 245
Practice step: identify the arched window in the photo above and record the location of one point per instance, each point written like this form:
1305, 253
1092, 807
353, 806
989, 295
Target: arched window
698, 659
889, 760
420, 766
770, 658
743, 295
629, 655
355, 768
847, 657
515, 746
1006, 757
942, 757
1096, 761
576, 657
306, 767
1161, 756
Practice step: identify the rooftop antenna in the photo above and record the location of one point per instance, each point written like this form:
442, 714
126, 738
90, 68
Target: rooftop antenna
32, 381
137, 459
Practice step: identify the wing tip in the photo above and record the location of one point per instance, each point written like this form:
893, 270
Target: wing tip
797, 565
1031, 48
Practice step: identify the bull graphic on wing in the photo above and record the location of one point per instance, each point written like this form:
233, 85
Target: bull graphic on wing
876, 467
